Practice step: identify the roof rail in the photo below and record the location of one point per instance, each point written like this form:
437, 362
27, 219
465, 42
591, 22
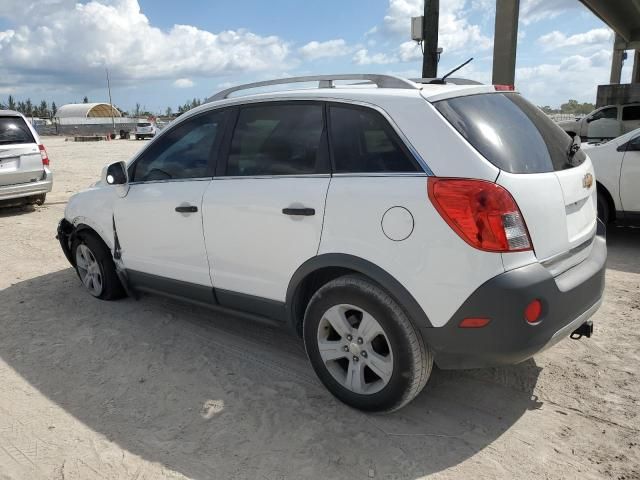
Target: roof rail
452, 80
324, 81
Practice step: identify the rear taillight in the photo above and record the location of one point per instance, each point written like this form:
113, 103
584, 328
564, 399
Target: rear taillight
482, 213
504, 88
43, 154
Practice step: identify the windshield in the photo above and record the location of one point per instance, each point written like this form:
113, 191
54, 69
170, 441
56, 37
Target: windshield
144, 124
14, 130
511, 133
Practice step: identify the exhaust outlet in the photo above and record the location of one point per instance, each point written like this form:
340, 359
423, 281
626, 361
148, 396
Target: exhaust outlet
584, 330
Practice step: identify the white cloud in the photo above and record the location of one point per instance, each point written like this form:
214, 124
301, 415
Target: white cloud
183, 83
68, 42
362, 57
456, 32
331, 48
536, 10
573, 77
598, 37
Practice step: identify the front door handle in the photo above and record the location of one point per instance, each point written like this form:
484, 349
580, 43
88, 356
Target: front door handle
186, 209
305, 212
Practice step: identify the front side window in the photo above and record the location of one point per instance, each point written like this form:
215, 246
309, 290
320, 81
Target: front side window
363, 142
183, 152
609, 113
278, 140
14, 130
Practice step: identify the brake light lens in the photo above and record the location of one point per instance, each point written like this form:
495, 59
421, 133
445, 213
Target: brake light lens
504, 88
482, 213
43, 154
533, 311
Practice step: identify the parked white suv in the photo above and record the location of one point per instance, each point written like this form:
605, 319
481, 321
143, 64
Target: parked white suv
390, 227
24, 164
617, 165
144, 130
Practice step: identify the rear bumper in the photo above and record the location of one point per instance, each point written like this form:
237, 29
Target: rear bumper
20, 190
568, 301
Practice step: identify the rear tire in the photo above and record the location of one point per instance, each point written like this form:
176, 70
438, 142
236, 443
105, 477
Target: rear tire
363, 347
95, 268
604, 212
39, 199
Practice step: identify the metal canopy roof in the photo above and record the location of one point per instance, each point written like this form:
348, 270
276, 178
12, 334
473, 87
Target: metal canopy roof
622, 16
87, 110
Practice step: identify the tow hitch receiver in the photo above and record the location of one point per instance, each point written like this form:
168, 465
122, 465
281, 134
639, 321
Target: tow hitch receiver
584, 330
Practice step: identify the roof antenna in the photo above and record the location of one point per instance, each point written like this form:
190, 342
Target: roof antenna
442, 80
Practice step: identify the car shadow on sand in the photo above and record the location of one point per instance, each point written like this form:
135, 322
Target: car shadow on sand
623, 248
216, 396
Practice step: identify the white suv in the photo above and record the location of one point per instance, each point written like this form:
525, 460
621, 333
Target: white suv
24, 164
391, 226
144, 130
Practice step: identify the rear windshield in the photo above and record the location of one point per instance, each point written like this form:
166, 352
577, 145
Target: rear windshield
14, 130
144, 124
511, 133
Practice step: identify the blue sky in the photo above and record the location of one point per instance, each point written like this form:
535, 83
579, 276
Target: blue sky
161, 53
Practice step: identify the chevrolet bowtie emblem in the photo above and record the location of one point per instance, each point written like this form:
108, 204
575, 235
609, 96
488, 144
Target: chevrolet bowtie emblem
587, 181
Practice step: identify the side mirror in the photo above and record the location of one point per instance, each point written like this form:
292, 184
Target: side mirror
590, 119
116, 174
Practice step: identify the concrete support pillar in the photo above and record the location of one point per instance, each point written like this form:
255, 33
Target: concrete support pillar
635, 76
505, 42
616, 61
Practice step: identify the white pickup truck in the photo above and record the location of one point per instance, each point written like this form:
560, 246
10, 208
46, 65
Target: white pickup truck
604, 123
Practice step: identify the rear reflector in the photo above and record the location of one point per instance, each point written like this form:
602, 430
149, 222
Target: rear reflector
504, 88
43, 154
474, 322
482, 213
533, 311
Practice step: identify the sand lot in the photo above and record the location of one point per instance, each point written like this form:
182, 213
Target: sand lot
155, 388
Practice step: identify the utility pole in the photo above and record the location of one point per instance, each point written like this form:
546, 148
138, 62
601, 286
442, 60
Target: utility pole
113, 122
430, 36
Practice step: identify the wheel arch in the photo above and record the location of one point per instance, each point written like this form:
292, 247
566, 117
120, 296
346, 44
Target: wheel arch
610, 203
319, 270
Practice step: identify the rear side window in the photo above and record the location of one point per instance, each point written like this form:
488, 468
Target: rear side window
14, 130
364, 142
278, 140
183, 152
631, 113
510, 132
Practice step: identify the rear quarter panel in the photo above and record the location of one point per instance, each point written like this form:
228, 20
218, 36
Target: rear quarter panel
436, 266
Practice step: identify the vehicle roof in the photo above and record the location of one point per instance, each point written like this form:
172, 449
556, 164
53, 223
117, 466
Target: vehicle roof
9, 113
362, 92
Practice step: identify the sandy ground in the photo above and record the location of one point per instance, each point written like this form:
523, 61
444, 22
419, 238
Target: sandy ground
155, 388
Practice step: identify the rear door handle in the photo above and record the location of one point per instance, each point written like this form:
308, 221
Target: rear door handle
186, 209
305, 212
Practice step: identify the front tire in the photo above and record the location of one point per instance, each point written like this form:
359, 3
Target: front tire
363, 347
95, 267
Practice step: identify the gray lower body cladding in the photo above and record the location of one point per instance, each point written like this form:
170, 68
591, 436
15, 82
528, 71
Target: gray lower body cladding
568, 301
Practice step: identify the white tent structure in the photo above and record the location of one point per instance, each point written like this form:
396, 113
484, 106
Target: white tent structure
87, 110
